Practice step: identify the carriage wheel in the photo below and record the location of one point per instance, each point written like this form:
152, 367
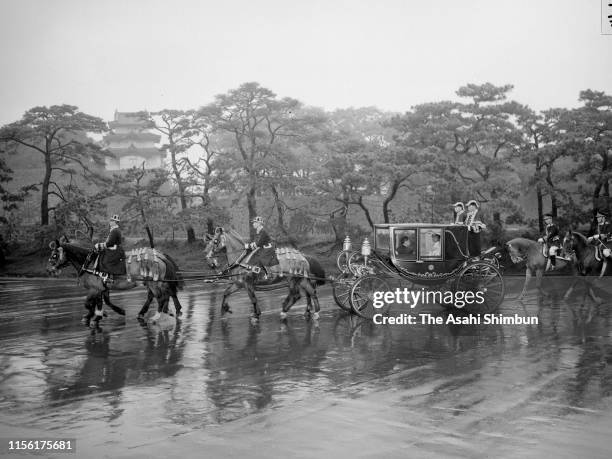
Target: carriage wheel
485, 278
342, 261
362, 296
342, 290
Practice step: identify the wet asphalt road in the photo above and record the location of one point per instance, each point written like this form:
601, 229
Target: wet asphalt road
338, 386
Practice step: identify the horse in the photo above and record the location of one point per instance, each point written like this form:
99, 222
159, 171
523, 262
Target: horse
303, 274
522, 249
587, 263
63, 253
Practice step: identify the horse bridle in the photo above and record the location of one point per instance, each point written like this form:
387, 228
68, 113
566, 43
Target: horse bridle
515, 259
569, 238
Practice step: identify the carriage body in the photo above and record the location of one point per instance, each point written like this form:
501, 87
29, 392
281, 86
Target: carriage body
437, 257
428, 262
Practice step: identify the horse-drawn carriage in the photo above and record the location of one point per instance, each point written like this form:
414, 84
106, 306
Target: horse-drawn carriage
428, 255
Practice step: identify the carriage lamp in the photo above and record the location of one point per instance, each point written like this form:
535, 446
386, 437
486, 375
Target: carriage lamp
366, 250
347, 244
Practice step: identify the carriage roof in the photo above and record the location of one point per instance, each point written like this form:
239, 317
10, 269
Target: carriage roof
417, 225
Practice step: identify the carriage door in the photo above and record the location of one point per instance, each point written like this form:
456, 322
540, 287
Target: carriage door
430, 243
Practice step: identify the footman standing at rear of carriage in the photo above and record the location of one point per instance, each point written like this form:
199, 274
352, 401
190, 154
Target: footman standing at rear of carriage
475, 226
459, 211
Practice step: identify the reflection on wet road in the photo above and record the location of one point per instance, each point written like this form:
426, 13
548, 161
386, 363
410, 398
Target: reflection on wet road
448, 390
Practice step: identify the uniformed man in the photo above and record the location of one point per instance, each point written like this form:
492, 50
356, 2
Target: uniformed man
264, 254
475, 226
111, 258
603, 232
459, 211
552, 240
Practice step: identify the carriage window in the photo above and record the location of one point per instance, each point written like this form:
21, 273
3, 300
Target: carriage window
382, 239
430, 243
405, 244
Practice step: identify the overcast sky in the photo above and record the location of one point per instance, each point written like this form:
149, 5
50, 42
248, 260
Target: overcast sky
142, 54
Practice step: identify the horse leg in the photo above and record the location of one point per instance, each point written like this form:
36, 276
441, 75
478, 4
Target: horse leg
311, 294
571, 289
89, 305
292, 297
117, 309
162, 304
233, 288
145, 306
98, 313
250, 288
528, 275
177, 304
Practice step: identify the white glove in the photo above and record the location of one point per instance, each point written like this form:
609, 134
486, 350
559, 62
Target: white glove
541, 241
596, 236
100, 246
590, 238
246, 246
253, 245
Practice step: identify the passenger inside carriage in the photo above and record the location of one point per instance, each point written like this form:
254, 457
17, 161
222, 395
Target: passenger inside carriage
406, 248
429, 245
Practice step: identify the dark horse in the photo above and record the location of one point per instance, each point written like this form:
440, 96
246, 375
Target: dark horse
303, 274
64, 253
587, 263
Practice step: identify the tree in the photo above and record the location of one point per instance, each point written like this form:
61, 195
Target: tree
77, 204
544, 144
176, 126
9, 198
589, 138
141, 188
56, 133
472, 143
257, 122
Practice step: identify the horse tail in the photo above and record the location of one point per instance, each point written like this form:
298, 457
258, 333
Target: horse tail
316, 271
173, 274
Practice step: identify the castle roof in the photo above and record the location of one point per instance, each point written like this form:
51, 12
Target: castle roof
133, 135
135, 151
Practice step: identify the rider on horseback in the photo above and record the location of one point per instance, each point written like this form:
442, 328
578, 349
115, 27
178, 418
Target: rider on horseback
111, 257
603, 232
263, 253
551, 240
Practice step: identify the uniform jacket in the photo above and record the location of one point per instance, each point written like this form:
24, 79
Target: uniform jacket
113, 258
265, 254
474, 225
113, 239
604, 231
551, 233
460, 218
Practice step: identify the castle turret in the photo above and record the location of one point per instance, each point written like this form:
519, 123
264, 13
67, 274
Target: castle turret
132, 143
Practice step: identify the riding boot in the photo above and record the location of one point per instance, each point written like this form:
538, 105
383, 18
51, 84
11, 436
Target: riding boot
553, 262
